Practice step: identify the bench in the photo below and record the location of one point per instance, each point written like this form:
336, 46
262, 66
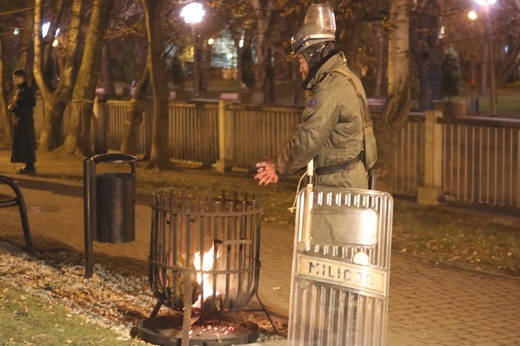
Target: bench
7, 200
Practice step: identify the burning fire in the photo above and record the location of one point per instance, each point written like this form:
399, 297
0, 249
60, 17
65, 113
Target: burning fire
203, 279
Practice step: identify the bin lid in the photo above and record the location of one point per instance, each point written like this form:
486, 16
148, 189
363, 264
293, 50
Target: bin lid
113, 157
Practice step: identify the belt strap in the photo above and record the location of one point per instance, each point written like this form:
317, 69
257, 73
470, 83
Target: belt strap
338, 167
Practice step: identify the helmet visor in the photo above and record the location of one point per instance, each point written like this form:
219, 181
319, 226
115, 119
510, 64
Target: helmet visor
319, 26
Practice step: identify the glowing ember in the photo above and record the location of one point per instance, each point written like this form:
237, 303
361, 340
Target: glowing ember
167, 330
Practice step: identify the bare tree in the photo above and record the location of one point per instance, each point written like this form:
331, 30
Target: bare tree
427, 50
135, 113
160, 155
56, 99
26, 42
6, 131
106, 74
397, 106
78, 136
507, 33
263, 11
24, 13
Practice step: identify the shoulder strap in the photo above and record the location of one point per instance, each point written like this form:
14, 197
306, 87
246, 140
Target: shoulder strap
367, 119
368, 130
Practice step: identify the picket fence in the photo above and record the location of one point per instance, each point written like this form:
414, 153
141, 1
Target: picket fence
479, 156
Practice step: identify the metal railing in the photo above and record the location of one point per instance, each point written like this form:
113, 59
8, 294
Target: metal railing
481, 162
409, 157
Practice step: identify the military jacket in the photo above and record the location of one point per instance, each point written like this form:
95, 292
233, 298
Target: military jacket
331, 130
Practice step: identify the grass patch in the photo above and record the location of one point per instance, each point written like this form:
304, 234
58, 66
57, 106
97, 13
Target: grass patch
508, 100
29, 320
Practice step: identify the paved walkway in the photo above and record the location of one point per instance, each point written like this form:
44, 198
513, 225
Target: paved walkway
430, 304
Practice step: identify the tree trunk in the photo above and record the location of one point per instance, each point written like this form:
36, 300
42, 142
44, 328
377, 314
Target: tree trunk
397, 106
106, 73
427, 51
160, 154
135, 115
50, 137
269, 87
24, 62
484, 65
26, 46
6, 130
508, 67
78, 135
378, 90
56, 100
263, 10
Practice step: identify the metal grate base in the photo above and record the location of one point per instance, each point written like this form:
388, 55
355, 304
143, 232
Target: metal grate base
225, 330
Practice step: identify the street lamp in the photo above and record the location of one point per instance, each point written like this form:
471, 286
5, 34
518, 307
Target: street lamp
192, 14
486, 6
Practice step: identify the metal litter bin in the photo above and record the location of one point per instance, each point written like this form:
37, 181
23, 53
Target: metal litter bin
341, 268
109, 203
115, 210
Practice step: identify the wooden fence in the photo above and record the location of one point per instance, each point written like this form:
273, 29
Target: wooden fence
470, 160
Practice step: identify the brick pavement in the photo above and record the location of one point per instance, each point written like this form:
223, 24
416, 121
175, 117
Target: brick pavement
430, 304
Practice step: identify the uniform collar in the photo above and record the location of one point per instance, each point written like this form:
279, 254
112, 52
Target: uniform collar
334, 61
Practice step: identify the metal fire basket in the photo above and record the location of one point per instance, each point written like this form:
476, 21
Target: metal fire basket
341, 268
204, 252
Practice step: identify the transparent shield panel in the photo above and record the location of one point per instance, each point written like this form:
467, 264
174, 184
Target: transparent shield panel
322, 15
340, 280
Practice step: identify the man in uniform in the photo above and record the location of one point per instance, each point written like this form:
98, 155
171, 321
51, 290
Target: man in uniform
331, 132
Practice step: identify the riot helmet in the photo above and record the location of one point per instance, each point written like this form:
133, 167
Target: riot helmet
319, 26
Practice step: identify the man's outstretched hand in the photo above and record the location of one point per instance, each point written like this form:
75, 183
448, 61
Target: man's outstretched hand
266, 172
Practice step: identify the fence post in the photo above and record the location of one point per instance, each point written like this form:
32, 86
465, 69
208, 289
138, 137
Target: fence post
431, 191
225, 138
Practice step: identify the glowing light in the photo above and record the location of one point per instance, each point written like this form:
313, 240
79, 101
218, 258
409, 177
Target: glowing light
211, 41
472, 15
207, 264
486, 2
45, 29
16, 31
230, 56
193, 13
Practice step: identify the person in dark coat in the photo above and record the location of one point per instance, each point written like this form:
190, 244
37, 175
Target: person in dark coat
24, 138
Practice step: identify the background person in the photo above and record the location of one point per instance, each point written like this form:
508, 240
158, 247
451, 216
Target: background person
331, 131
24, 137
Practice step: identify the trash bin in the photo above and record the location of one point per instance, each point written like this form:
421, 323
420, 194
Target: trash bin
474, 106
109, 204
115, 208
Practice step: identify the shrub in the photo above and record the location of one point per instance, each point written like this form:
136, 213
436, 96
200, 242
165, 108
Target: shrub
451, 74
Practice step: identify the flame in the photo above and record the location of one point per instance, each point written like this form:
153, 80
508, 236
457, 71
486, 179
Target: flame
202, 279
